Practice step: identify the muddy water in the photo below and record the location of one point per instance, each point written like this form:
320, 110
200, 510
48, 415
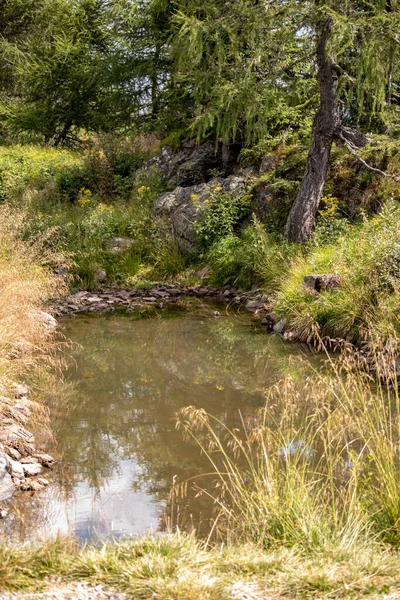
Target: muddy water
115, 426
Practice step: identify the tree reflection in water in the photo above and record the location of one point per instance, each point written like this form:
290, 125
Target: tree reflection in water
116, 430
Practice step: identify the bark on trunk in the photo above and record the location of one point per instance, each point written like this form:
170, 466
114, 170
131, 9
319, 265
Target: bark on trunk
62, 136
327, 121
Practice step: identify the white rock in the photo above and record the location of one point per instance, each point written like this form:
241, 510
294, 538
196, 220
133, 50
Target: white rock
32, 469
48, 321
17, 470
7, 487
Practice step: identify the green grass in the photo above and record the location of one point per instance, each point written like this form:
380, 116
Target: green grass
177, 566
366, 256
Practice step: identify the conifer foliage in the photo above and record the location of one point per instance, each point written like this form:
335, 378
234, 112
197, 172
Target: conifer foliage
238, 71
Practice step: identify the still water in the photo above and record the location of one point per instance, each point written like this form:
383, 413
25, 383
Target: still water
119, 449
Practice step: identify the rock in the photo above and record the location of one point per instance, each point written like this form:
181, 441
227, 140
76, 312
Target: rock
7, 488
12, 453
216, 314
61, 271
48, 321
17, 431
28, 460
17, 471
269, 163
32, 485
254, 305
20, 391
192, 164
120, 244
31, 470
44, 459
280, 326
43, 481
22, 407
184, 207
203, 273
3, 512
290, 336
322, 282
269, 321
12, 440
100, 275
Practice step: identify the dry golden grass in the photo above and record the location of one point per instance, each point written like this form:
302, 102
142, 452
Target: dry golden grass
26, 283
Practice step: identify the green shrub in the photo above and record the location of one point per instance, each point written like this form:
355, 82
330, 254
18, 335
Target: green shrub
221, 215
253, 257
367, 257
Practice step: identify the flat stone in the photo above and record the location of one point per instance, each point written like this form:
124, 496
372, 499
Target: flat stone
19, 432
254, 305
43, 481
28, 460
17, 472
12, 453
6, 401
31, 486
23, 408
31, 470
44, 459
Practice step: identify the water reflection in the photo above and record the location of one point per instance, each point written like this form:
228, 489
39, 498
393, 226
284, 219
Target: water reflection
116, 431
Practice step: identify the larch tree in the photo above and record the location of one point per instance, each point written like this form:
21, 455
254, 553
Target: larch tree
256, 67
62, 71
246, 65
355, 52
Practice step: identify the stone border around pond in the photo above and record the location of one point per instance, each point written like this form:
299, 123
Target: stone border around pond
107, 300
22, 466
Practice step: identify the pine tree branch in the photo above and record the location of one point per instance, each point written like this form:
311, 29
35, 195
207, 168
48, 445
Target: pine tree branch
342, 72
353, 150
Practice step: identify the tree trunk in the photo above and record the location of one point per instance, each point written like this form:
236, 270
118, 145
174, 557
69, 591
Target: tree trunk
62, 136
154, 84
327, 121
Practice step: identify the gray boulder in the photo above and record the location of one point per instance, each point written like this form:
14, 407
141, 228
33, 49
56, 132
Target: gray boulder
184, 206
192, 164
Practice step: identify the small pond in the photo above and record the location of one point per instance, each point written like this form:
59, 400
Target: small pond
115, 424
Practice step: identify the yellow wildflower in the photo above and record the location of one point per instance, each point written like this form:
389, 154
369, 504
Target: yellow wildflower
83, 201
143, 189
